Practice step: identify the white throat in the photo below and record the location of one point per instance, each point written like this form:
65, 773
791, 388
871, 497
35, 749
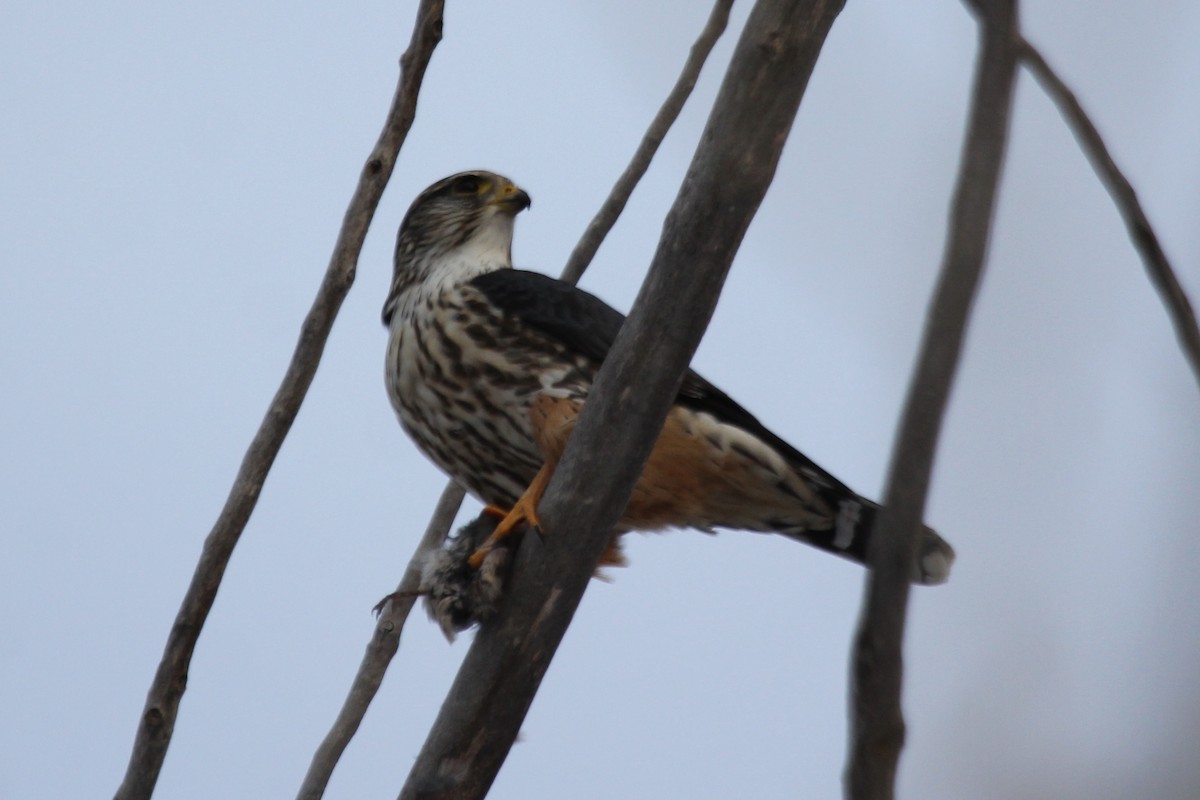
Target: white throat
488, 250
492, 242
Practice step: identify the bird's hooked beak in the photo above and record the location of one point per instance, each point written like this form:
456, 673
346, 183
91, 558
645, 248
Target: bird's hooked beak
511, 198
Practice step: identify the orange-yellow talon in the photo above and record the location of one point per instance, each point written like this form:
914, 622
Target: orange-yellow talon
524, 510
496, 512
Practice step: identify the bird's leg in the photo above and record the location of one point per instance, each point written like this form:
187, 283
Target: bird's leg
524, 510
551, 421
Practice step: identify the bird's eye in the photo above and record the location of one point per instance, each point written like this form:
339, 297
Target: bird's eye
468, 184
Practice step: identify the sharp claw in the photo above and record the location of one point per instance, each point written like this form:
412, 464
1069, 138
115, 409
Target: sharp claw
512, 522
475, 561
523, 512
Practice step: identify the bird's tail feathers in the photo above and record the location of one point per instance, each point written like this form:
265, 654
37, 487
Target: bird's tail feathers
851, 533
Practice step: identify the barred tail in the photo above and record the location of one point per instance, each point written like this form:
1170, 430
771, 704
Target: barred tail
851, 533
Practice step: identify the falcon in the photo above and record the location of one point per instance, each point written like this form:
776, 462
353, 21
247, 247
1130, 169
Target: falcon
488, 367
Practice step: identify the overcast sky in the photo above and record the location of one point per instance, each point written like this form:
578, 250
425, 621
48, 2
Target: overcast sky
173, 180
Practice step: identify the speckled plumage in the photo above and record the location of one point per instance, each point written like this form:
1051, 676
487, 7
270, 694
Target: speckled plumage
487, 367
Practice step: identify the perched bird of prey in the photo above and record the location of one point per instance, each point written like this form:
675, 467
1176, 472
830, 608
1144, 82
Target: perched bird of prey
489, 366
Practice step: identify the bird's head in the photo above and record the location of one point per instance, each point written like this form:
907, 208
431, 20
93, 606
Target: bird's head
459, 227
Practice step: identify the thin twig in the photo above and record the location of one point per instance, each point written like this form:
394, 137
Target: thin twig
157, 721
607, 216
385, 641
728, 176
1144, 239
877, 724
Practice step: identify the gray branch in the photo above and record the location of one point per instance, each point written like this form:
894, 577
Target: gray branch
1144, 239
385, 641
877, 725
729, 175
157, 721
607, 216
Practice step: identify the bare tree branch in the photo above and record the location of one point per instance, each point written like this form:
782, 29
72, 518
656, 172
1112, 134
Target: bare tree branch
157, 721
385, 641
1144, 239
725, 183
386, 638
607, 216
877, 725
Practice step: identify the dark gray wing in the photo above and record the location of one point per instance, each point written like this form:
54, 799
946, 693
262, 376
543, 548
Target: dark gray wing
588, 325
581, 321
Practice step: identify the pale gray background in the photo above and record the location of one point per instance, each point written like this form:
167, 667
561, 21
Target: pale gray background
173, 179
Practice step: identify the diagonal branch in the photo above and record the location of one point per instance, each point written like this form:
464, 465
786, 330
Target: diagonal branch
877, 725
385, 640
1144, 239
157, 721
607, 216
728, 176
